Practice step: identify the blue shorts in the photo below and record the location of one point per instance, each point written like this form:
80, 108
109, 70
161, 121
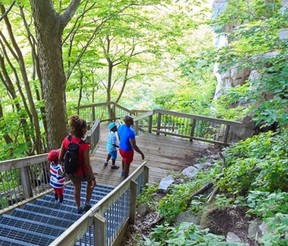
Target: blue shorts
113, 154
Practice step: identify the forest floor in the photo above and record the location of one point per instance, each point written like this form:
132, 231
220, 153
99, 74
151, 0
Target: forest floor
233, 221
219, 222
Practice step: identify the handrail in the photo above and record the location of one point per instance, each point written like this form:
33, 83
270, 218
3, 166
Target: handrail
198, 117
103, 111
144, 115
93, 135
172, 123
28, 177
193, 127
124, 194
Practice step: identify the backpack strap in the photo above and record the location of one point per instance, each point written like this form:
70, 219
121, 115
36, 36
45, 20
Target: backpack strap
69, 137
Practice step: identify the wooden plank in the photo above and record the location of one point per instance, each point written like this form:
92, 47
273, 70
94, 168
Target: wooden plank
164, 155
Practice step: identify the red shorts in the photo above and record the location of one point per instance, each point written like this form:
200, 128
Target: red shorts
127, 156
59, 191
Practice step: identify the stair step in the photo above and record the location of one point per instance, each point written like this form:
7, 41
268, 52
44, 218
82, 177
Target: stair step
46, 219
35, 226
41, 222
25, 236
96, 190
69, 199
55, 205
53, 212
13, 242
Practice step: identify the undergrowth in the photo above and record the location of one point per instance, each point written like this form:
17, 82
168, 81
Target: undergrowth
254, 176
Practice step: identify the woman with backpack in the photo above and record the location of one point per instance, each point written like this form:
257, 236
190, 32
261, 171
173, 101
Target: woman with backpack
82, 170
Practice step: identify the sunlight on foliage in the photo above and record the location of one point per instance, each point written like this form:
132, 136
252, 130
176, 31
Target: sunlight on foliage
256, 163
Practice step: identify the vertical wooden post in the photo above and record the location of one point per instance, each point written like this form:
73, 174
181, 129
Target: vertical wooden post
226, 134
133, 196
93, 114
150, 124
100, 234
192, 129
136, 127
26, 182
158, 123
146, 174
113, 109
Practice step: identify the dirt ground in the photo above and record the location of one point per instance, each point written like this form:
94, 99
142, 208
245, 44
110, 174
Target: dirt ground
234, 219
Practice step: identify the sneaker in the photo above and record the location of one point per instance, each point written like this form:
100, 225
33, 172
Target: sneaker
122, 174
87, 207
105, 164
114, 167
80, 210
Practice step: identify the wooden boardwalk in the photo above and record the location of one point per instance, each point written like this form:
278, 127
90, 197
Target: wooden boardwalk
162, 154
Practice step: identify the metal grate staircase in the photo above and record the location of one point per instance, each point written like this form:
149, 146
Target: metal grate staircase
41, 222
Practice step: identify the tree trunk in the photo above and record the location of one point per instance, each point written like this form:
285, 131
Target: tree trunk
49, 27
21, 63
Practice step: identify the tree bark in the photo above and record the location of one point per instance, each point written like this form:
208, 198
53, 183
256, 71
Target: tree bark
49, 27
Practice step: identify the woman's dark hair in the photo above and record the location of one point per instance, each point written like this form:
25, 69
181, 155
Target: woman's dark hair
77, 126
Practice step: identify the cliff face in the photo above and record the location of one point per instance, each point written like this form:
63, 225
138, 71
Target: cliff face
234, 76
231, 77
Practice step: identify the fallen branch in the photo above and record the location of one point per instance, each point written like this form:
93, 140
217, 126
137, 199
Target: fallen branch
212, 194
202, 190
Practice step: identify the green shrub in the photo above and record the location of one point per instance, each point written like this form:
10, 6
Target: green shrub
185, 234
277, 232
265, 204
258, 163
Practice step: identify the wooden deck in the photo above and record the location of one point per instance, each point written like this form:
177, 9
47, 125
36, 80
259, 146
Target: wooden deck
163, 155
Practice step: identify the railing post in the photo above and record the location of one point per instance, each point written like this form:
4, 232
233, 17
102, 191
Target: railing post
133, 197
93, 113
26, 182
158, 123
113, 111
100, 234
192, 129
146, 174
226, 134
150, 124
136, 127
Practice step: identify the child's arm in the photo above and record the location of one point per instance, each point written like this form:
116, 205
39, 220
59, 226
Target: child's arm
60, 171
114, 141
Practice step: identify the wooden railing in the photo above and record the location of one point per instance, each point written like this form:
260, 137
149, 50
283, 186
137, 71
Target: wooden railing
189, 126
22, 179
103, 111
169, 123
112, 214
27, 178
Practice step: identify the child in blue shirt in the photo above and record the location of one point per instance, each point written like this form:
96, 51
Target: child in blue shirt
112, 145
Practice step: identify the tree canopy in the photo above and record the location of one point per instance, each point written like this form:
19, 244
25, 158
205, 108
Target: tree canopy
69, 53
